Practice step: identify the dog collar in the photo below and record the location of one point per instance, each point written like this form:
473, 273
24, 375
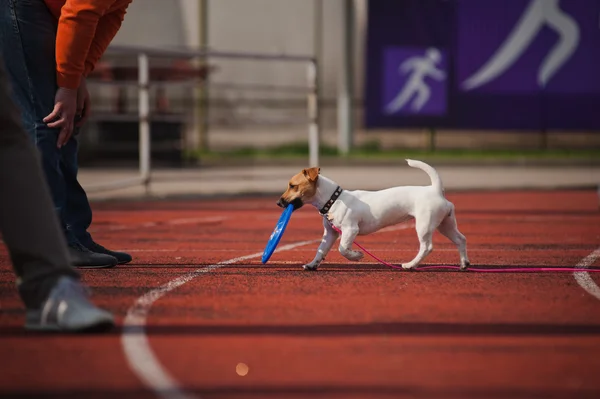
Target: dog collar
329, 203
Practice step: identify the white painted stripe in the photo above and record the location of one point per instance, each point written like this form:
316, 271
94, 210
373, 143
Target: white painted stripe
198, 220
173, 222
148, 368
205, 219
134, 341
584, 279
135, 344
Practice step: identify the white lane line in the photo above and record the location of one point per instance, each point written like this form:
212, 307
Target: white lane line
584, 279
173, 222
200, 220
205, 219
142, 360
135, 344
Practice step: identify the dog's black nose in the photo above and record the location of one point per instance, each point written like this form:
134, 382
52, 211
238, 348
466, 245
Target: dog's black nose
280, 203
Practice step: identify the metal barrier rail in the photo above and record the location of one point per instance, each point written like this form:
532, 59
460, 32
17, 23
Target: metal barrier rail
144, 83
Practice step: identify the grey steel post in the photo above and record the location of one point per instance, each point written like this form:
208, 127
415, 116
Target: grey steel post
202, 89
313, 114
318, 47
346, 80
144, 117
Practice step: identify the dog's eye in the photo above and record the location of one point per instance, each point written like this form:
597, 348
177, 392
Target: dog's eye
292, 186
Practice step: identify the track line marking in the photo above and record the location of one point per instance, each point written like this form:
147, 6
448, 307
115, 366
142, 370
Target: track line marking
135, 343
173, 222
138, 353
197, 220
584, 279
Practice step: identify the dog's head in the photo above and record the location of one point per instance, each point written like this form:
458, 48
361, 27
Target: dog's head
301, 188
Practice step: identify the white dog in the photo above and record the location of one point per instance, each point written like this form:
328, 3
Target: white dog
364, 212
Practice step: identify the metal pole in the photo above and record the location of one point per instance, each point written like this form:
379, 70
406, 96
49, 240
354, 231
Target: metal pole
313, 115
432, 134
202, 90
318, 46
346, 76
144, 115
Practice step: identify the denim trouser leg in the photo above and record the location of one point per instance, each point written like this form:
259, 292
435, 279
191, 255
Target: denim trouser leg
78, 216
27, 42
28, 224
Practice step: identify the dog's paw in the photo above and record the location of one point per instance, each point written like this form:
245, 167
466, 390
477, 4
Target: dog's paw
311, 267
465, 265
354, 255
407, 266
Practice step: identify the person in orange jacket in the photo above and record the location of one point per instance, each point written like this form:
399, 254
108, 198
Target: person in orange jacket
49, 47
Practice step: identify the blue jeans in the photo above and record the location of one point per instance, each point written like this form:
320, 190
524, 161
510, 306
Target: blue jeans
27, 43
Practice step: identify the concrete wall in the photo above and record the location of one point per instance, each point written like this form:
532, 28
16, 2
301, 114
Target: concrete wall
282, 27
249, 26
258, 26
157, 23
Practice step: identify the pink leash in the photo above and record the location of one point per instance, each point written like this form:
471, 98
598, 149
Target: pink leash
470, 269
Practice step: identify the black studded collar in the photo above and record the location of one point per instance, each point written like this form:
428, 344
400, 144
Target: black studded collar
329, 204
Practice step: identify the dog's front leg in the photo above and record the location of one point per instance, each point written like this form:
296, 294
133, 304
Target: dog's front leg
349, 233
329, 237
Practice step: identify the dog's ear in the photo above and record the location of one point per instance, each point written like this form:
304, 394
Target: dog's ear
312, 174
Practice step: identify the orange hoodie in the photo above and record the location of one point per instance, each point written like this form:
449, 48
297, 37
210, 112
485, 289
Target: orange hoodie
85, 29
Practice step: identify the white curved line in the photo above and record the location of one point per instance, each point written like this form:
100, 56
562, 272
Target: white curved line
134, 341
584, 279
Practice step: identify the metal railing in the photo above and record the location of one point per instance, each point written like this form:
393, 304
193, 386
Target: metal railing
144, 84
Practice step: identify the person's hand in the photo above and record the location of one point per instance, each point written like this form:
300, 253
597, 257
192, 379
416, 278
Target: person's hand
84, 104
63, 115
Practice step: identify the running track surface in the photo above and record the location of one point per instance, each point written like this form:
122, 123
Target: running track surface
350, 330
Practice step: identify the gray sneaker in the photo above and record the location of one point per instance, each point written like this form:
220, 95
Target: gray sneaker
68, 309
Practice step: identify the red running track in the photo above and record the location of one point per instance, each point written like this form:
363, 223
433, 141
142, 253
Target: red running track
350, 330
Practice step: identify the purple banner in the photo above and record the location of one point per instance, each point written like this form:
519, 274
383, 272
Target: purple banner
497, 64
526, 46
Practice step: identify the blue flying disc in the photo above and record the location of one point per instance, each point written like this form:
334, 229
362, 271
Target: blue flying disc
277, 233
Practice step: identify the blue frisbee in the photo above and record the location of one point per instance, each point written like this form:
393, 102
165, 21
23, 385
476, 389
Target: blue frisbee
277, 233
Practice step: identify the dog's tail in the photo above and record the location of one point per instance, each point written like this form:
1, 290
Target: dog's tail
436, 182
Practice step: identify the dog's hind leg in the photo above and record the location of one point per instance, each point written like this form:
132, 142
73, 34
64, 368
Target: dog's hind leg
449, 228
425, 228
329, 237
349, 233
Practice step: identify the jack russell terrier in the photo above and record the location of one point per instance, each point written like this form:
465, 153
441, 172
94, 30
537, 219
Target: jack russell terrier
364, 212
